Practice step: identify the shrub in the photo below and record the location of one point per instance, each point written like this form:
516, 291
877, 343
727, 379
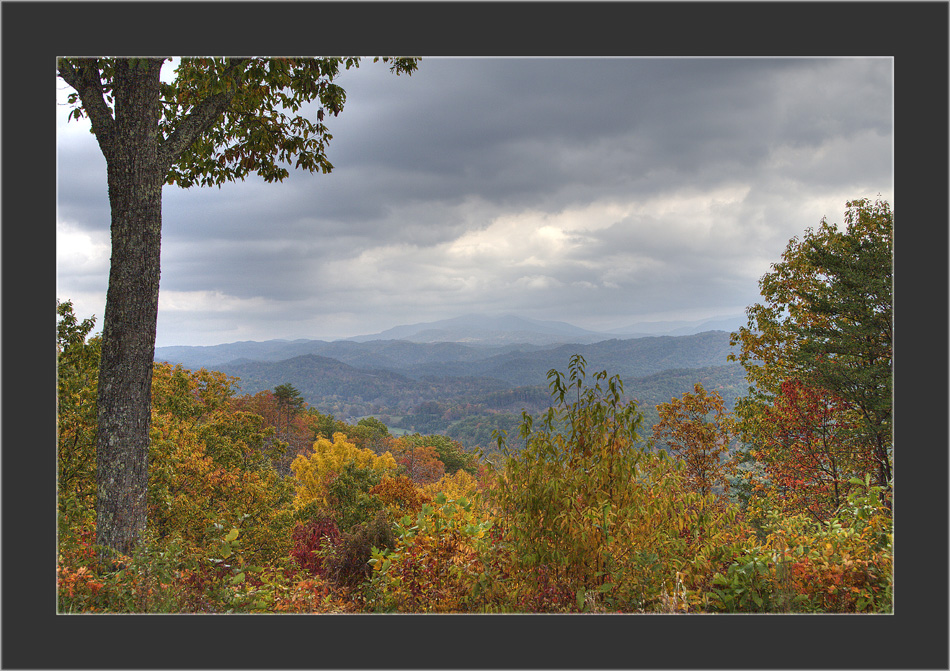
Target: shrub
348, 565
842, 566
613, 524
436, 564
312, 541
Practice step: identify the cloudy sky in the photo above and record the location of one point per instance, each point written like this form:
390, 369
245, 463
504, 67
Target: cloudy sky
600, 192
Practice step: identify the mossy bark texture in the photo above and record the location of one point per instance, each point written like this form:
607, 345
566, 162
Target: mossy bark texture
135, 176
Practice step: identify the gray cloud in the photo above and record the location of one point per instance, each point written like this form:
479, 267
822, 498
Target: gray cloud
595, 190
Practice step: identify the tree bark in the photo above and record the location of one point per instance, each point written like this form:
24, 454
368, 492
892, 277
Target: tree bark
138, 159
135, 178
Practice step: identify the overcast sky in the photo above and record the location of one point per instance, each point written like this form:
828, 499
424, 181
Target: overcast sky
600, 192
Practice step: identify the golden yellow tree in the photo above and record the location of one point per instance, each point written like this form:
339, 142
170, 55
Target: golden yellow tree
455, 486
315, 472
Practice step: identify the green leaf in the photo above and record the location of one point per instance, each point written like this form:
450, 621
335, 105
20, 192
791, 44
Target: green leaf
239, 578
581, 596
233, 534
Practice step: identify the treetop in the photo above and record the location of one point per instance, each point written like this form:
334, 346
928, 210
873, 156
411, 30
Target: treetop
225, 118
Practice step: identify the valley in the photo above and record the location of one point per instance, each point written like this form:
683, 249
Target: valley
466, 390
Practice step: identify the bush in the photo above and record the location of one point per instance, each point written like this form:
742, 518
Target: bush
312, 541
348, 565
436, 564
842, 566
612, 524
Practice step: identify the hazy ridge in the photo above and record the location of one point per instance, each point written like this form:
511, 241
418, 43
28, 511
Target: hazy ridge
465, 389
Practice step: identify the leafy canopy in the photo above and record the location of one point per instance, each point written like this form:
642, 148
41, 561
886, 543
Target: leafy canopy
827, 321
261, 123
827, 313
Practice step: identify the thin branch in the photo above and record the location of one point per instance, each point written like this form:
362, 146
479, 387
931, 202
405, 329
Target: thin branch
83, 75
201, 118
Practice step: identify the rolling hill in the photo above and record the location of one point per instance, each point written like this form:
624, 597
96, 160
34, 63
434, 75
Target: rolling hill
465, 388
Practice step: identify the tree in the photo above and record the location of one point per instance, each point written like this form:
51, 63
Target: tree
77, 368
827, 321
450, 452
698, 439
211, 464
399, 495
314, 473
297, 429
220, 120
289, 403
323, 425
809, 450
372, 433
420, 462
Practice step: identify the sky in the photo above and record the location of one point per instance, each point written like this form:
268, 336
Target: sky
596, 191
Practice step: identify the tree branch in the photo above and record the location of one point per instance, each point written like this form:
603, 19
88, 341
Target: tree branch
201, 118
83, 75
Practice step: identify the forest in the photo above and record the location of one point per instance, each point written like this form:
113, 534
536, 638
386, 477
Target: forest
466, 400
259, 503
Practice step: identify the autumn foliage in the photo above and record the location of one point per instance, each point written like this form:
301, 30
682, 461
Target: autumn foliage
695, 428
419, 462
312, 541
810, 450
258, 504
315, 473
582, 518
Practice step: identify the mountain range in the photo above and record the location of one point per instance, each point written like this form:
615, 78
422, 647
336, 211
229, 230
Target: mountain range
396, 363
417, 379
486, 330
470, 337
509, 329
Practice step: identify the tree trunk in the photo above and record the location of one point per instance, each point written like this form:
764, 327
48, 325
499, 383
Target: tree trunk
135, 176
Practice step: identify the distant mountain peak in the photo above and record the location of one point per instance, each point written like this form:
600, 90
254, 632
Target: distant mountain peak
488, 329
